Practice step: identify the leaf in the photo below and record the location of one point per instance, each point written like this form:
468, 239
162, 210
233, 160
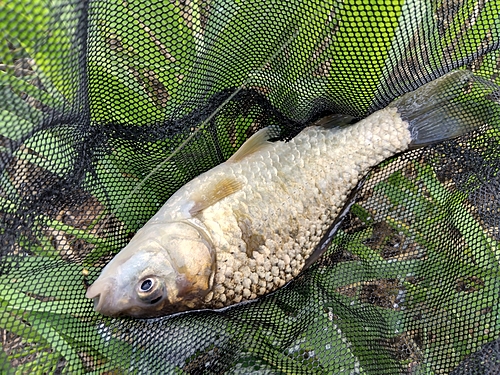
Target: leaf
42, 325
22, 126
122, 194
42, 28
135, 64
12, 107
22, 85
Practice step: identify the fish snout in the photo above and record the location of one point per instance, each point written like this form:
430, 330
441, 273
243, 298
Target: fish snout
101, 292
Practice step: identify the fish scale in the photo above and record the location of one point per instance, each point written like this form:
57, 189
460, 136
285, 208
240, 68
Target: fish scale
318, 187
251, 224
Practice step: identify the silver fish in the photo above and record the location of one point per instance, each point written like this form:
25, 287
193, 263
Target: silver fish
247, 226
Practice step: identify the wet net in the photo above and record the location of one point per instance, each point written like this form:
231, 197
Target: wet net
108, 107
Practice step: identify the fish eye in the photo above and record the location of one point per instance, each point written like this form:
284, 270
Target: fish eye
147, 285
150, 290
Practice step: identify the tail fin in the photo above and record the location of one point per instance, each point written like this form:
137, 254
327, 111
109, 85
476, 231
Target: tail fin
448, 107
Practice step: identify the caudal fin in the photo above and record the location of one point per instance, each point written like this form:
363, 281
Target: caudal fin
448, 107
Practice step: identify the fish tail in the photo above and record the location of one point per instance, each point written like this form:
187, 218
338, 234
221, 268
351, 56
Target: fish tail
448, 107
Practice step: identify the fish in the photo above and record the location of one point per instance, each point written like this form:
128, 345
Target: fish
249, 225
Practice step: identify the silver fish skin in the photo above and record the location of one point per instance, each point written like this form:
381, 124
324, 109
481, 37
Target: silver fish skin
247, 226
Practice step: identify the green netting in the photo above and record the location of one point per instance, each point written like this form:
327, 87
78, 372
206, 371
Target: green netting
108, 107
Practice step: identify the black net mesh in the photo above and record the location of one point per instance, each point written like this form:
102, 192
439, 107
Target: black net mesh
108, 107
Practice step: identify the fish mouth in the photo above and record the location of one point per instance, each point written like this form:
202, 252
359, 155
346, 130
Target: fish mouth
109, 301
99, 292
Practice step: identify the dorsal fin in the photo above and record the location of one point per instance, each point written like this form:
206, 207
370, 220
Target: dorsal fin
253, 144
333, 121
210, 195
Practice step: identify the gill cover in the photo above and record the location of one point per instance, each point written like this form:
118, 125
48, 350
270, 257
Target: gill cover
166, 267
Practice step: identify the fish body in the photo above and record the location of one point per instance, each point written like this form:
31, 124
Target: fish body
248, 226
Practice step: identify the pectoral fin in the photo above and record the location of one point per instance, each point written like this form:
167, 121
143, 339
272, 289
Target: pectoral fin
214, 193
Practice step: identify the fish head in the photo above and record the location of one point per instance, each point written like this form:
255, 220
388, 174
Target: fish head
166, 268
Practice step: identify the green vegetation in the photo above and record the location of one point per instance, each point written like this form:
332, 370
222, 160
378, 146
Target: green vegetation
427, 253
